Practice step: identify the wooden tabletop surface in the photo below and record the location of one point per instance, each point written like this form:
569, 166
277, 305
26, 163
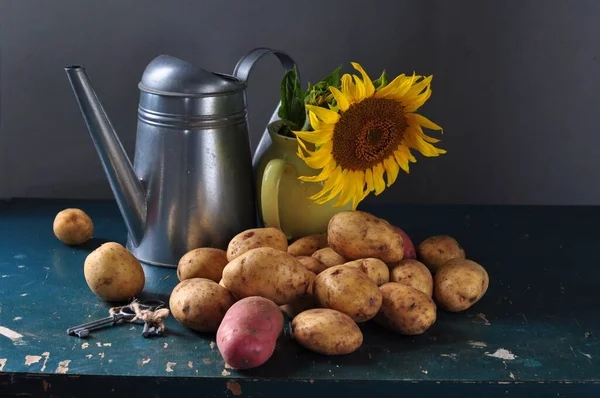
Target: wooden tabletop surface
534, 332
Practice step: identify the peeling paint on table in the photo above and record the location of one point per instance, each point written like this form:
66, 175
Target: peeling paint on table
533, 333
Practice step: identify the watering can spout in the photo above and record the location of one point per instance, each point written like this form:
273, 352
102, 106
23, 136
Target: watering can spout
126, 186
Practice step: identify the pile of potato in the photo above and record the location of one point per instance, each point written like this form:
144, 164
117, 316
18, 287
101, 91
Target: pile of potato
363, 269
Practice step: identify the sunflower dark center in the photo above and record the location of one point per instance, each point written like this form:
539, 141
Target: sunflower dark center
368, 132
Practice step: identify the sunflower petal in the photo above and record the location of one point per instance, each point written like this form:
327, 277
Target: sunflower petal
423, 121
340, 98
418, 88
348, 88
360, 88
369, 87
418, 102
426, 149
397, 87
401, 160
324, 114
391, 169
323, 175
378, 178
347, 190
321, 157
329, 184
338, 184
318, 137
369, 180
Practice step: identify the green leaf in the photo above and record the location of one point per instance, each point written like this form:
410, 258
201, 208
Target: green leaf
333, 79
381, 81
292, 110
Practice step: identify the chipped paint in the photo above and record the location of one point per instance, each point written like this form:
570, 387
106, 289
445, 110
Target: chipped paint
107, 344
89, 356
225, 373
31, 359
477, 344
5, 276
21, 266
3, 363
17, 338
206, 361
170, 365
512, 375
145, 361
20, 256
99, 344
190, 364
212, 345
110, 361
101, 355
166, 345
46, 356
85, 345
586, 334
424, 371
63, 366
502, 353
234, 387
586, 355
451, 356
24, 294
17, 318
484, 319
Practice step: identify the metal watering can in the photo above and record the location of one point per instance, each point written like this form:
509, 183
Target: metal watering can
191, 184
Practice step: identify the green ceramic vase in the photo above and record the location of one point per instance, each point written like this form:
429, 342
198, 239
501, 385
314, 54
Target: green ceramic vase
283, 199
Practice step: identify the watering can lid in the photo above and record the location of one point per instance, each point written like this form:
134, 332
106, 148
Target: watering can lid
167, 75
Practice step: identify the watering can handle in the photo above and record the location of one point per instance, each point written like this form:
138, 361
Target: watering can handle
244, 66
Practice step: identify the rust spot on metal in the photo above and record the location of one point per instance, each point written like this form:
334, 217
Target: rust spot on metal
234, 387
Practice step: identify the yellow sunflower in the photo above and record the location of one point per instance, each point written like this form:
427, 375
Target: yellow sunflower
369, 132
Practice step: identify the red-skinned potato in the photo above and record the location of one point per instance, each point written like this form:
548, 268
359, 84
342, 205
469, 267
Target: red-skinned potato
248, 333
409, 246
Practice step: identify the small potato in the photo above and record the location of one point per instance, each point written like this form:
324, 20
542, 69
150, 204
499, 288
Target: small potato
409, 247
269, 273
347, 290
200, 304
248, 333
113, 273
356, 234
73, 226
413, 273
436, 250
307, 245
204, 262
256, 237
459, 284
311, 264
326, 331
328, 257
375, 269
405, 309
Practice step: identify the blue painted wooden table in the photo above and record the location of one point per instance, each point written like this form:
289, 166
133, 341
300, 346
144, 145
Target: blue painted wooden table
534, 333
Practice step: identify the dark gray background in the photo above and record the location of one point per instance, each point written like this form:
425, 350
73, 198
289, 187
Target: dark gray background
516, 84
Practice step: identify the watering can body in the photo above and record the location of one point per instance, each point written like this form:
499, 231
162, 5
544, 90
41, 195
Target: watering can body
191, 183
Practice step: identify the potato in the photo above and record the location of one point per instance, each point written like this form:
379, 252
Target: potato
413, 273
405, 309
307, 245
246, 338
326, 331
328, 257
73, 226
256, 237
311, 264
204, 262
347, 290
409, 247
269, 273
200, 304
436, 250
299, 305
113, 273
375, 269
459, 284
355, 234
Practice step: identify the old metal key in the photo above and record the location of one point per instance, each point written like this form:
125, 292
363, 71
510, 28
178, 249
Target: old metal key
84, 329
